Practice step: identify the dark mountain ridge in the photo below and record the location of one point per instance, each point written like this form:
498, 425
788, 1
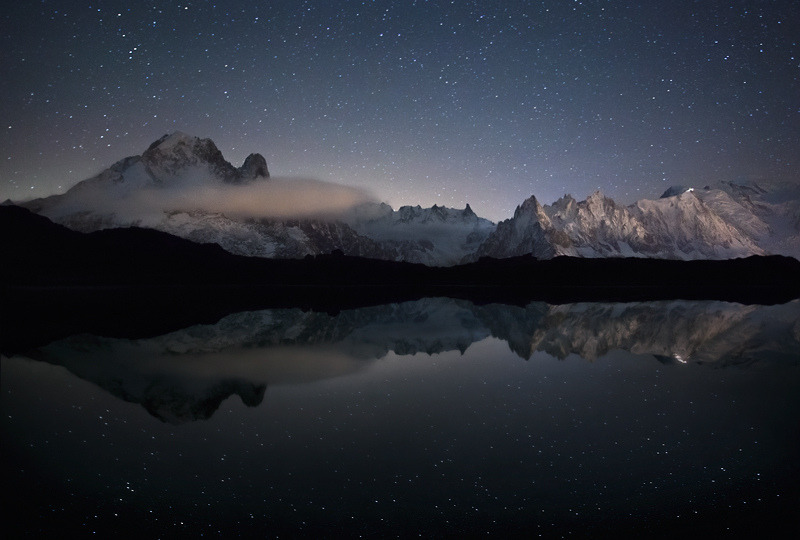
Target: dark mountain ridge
117, 281
42, 253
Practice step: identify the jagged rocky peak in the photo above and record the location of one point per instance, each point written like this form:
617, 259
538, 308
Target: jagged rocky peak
564, 209
565, 203
439, 211
179, 146
436, 213
408, 213
598, 199
532, 208
529, 205
599, 207
254, 166
176, 151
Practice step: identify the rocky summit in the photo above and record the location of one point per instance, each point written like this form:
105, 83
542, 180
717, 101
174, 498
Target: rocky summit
174, 154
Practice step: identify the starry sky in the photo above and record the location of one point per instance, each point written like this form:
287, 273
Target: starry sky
420, 102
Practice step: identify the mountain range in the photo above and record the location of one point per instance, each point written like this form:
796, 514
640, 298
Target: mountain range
178, 185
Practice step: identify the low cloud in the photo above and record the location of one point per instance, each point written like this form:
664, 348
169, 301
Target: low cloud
274, 198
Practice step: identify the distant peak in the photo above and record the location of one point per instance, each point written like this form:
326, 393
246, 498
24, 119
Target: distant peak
183, 148
597, 195
529, 206
675, 190
178, 150
254, 166
564, 201
530, 202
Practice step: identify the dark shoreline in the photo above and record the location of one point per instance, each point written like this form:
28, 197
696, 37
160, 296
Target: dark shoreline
136, 282
34, 316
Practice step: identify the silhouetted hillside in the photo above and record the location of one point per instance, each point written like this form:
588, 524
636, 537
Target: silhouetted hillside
55, 281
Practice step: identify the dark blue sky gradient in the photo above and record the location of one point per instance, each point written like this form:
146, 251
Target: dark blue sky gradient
420, 102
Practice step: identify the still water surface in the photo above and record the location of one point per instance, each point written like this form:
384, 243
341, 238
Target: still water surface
435, 417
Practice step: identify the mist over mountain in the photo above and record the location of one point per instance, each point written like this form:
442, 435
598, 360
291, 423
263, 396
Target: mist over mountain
434, 236
180, 172
183, 185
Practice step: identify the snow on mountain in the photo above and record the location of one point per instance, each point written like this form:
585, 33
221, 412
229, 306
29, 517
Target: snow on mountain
182, 185
684, 227
767, 211
529, 231
679, 226
734, 212
596, 227
434, 236
137, 189
280, 239
170, 184
176, 184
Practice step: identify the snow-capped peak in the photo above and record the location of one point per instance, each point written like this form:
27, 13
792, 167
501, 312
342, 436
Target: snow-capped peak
676, 190
531, 209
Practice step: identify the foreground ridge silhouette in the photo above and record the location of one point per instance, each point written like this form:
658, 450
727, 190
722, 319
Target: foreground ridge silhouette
139, 280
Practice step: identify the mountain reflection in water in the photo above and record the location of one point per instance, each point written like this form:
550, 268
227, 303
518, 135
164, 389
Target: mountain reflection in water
186, 375
436, 418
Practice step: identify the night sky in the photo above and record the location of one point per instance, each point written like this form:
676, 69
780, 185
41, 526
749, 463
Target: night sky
420, 102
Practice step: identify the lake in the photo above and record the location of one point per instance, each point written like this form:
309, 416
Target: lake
434, 417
